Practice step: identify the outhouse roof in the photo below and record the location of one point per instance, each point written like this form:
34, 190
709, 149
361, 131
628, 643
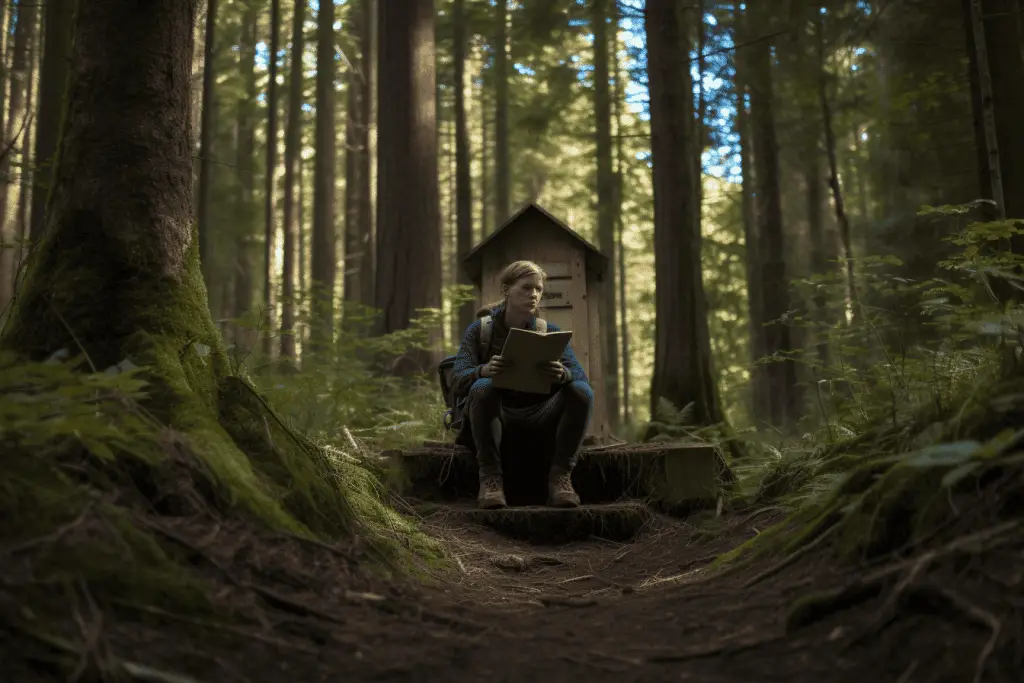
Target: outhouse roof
473, 263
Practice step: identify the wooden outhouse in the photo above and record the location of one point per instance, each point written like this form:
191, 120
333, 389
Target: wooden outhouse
575, 269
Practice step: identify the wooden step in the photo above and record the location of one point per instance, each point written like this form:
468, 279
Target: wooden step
675, 477
546, 525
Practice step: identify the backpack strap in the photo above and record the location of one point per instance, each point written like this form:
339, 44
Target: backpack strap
542, 325
486, 328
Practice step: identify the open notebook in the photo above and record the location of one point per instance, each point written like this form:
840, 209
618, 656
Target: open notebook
525, 350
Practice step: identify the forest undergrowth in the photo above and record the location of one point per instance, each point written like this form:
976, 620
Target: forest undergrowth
914, 466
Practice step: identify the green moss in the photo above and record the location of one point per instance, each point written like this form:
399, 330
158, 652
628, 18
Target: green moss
232, 447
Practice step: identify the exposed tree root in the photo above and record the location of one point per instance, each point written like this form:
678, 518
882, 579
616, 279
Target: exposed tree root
816, 607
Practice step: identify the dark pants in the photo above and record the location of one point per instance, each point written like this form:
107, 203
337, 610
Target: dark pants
563, 417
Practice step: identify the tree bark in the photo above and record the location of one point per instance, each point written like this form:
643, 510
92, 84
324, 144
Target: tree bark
995, 32
485, 190
116, 277
58, 18
121, 207
206, 144
781, 372
270, 186
408, 273
620, 245
324, 244
760, 398
246, 154
816, 237
21, 221
15, 141
463, 187
606, 207
292, 149
358, 278
502, 164
682, 359
981, 81
842, 220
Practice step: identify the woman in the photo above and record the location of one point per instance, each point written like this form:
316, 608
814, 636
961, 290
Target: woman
562, 415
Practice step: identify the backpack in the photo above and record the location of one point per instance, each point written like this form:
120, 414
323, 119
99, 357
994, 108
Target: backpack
455, 405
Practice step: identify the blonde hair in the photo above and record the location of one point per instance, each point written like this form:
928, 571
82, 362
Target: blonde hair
513, 273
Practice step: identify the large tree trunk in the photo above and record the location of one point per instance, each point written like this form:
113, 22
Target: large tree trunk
682, 358
324, 249
117, 277
270, 188
15, 141
463, 189
606, 207
246, 153
205, 145
774, 285
358, 278
121, 209
502, 164
292, 148
408, 273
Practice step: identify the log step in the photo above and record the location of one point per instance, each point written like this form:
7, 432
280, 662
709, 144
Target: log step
547, 525
674, 477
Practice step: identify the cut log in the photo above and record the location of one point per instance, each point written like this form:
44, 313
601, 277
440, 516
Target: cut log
674, 477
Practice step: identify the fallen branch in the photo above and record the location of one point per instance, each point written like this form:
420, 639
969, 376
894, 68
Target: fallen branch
51, 537
212, 625
568, 602
793, 557
714, 651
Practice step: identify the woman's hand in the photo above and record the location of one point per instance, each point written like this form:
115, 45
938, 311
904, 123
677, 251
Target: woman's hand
495, 366
553, 370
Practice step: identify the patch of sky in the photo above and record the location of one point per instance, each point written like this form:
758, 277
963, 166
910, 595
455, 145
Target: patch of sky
523, 69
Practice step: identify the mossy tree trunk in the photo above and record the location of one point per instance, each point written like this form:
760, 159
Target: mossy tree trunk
117, 273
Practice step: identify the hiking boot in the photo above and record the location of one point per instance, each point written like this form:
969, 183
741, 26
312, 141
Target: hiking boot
560, 491
492, 492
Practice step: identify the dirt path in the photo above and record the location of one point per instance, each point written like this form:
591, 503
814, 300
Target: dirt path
589, 612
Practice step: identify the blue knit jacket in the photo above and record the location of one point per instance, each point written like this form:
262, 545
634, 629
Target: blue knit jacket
468, 362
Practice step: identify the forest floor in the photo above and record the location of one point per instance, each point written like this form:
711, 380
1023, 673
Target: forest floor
649, 610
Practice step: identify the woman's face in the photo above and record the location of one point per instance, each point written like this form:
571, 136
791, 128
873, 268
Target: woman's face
524, 295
